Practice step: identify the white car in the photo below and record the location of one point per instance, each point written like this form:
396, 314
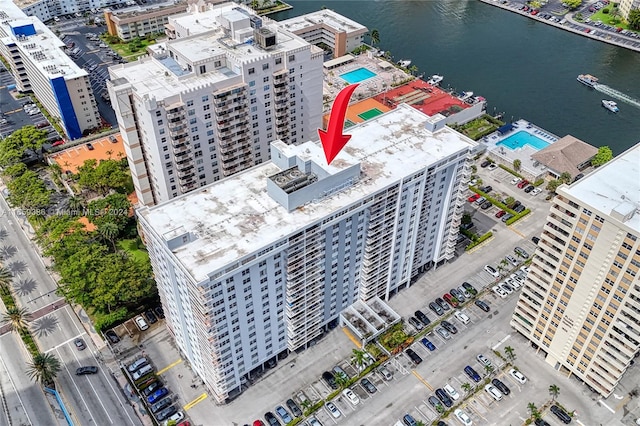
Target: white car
494, 392
483, 359
462, 317
463, 417
518, 376
512, 260
499, 291
492, 166
177, 417
536, 191
518, 278
451, 391
512, 283
525, 270
141, 323
506, 288
333, 410
515, 181
491, 271
351, 396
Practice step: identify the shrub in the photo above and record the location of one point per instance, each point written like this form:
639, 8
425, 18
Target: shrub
513, 172
518, 216
480, 240
105, 321
538, 182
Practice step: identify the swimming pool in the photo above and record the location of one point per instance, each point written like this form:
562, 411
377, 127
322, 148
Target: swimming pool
356, 76
522, 138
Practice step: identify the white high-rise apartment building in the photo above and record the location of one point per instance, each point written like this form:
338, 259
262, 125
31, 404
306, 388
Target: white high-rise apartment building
206, 104
40, 65
259, 263
46, 10
580, 304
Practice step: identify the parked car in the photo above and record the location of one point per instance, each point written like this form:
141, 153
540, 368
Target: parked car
333, 410
434, 402
480, 200
529, 188
91, 369
112, 336
284, 414
473, 198
147, 369
137, 364
157, 395
408, 420
451, 300
535, 240
523, 183
351, 396
492, 166
466, 293
463, 417
512, 260
385, 373
515, 181
451, 391
338, 371
486, 205
520, 208
79, 343
499, 291
167, 412
313, 421
272, 419
561, 414
445, 307
414, 356
422, 317
536, 191
506, 287
415, 323
518, 376
473, 375
482, 305
295, 410
522, 252
493, 392
471, 289
151, 317
500, 213
483, 360
541, 422
457, 294
486, 189
501, 386
176, 417
506, 217
491, 271
330, 380
152, 387
141, 323
462, 317
449, 327
442, 396
164, 403
90, 147
368, 386
159, 312
436, 308
485, 164
443, 333
427, 344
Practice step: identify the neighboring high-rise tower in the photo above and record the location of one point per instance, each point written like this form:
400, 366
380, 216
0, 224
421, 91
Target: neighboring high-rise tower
260, 263
208, 103
580, 304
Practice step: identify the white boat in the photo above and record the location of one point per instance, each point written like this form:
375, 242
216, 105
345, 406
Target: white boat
610, 105
435, 79
587, 80
404, 63
465, 95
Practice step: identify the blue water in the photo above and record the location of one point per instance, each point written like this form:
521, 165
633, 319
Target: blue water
356, 76
522, 138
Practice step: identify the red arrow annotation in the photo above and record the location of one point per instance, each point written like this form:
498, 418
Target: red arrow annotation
332, 139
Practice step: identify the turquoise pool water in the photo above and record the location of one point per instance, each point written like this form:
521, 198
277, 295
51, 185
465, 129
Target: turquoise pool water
522, 138
356, 76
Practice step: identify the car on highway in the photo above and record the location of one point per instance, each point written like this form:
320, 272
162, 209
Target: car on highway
79, 343
473, 375
561, 414
368, 386
351, 396
482, 305
501, 386
413, 356
471, 289
499, 291
141, 323
284, 414
518, 376
157, 395
491, 271
427, 344
91, 369
422, 317
451, 391
463, 417
333, 410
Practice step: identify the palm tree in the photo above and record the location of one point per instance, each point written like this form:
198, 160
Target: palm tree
554, 391
359, 357
306, 406
5, 279
18, 318
500, 268
510, 353
43, 369
466, 387
516, 165
533, 410
413, 69
505, 263
375, 37
109, 231
341, 380
488, 369
420, 423
76, 205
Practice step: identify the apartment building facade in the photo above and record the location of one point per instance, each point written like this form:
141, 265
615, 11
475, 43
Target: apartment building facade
262, 262
329, 30
580, 304
46, 10
627, 6
40, 65
206, 104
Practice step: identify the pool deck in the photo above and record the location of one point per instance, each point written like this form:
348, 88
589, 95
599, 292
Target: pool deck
528, 167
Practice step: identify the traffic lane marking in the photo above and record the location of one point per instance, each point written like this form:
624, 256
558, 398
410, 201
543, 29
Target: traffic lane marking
168, 367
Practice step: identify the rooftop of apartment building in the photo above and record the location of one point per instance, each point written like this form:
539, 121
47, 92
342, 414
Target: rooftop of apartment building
162, 76
613, 189
325, 16
37, 41
235, 217
133, 13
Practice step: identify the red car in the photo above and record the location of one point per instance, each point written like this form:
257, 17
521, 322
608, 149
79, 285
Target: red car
451, 300
523, 183
58, 143
535, 11
473, 198
500, 213
258, 423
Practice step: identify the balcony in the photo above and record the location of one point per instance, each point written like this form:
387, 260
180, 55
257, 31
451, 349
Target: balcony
181, 149
186, 174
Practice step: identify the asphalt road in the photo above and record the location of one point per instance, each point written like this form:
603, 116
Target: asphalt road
94, 399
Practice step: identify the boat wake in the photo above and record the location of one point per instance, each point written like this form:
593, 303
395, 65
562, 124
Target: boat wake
603, 88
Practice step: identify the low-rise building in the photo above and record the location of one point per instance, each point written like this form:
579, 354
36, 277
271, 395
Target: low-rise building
329, 30
46, 10
40, 65
566, 155
626, 6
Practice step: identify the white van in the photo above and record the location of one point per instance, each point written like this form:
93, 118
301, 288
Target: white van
494, 392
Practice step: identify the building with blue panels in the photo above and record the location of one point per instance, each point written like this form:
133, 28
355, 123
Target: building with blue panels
263, 262
40, 65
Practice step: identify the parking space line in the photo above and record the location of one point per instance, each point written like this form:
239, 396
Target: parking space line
419, 377
190, 405
168, 367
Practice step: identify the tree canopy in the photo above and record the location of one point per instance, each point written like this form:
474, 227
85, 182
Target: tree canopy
573, 4
634, 19
29, 191
604, 154
104, 176
13, 147
113, 208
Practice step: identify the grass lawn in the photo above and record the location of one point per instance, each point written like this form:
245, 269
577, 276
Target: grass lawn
478, 128
130, 247
124, 49
606, 18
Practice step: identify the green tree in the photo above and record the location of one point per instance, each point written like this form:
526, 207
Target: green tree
12, 148
553, 185
105, 176
29, 191
420, 423
517, 164
109, 231
466, 218
511, 353
554, 391
533, 410
76, 206
413, 69
488, 369
466, 387
604, 155
341, 380
634, 19
43, 369
565, 177
375, 37
573, 4
17, 318
15, 170
5, 279
509, 201
306, 406
358, 358
114, 208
